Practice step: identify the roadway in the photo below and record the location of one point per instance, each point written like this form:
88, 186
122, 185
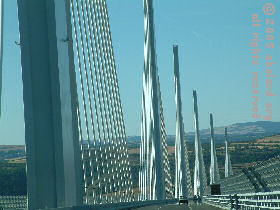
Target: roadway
179, 207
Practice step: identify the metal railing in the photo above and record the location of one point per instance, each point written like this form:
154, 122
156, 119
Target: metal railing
262, 200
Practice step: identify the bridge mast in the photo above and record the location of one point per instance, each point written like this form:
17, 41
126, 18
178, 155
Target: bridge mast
181, 156
199, 170
151, 170
214, 171
50, 104
228, 169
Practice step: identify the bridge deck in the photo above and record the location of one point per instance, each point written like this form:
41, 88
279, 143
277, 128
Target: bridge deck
179, 207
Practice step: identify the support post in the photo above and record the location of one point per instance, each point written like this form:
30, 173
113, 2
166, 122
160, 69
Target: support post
50, 104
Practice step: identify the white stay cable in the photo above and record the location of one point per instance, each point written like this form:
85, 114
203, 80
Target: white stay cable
83, 95
116, 88
107, 173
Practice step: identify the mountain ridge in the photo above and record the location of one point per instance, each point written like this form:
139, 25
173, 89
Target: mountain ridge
237, 132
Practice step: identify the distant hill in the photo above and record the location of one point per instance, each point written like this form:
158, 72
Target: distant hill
11, 151
248, 128
237, 132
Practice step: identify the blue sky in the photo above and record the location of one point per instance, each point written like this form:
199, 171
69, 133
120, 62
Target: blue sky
214, 52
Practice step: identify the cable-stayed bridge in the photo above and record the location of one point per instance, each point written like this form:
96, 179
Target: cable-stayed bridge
76, 150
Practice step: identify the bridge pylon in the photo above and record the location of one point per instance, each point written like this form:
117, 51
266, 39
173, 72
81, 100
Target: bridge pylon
228, 168
49, 95
214, 171
199, 169
76, 146
182, 175
151, 174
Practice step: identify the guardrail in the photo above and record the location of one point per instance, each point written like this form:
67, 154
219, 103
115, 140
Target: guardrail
262, 200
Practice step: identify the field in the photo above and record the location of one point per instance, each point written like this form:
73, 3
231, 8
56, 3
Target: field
243, 154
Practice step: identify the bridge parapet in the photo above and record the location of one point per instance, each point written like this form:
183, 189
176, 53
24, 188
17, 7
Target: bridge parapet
262, 200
